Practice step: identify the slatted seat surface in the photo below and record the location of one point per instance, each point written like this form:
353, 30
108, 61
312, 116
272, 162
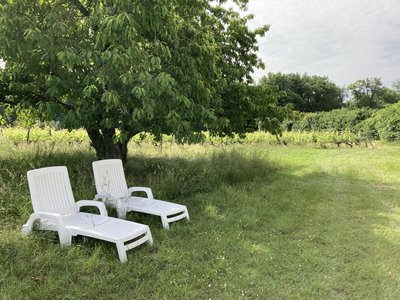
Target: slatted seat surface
157, 207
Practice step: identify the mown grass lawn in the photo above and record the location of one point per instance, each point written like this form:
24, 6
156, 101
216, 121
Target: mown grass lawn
266, 222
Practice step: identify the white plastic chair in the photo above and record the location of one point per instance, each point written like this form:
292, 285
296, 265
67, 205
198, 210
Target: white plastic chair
112, 190
55, 209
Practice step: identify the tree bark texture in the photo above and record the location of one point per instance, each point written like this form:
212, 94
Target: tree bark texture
102, 142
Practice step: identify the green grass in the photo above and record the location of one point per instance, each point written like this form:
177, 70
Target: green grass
266, 222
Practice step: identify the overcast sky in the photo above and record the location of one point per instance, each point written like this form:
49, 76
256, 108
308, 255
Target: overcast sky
345, 40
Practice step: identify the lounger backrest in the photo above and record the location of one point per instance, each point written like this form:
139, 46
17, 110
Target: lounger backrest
109, 177
51, 191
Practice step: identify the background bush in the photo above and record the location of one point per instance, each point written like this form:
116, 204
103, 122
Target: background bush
385, 123
334, 120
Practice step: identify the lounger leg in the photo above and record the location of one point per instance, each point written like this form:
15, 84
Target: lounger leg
164, 222
187, 214
122, 252
150, 240
65, 238
121, 213
63, 234
28, 227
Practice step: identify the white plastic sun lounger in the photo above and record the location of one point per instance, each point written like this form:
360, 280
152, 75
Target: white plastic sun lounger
55, 209
112, 190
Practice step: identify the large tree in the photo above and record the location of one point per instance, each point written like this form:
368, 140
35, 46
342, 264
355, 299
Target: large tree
119, 67
371, 93
304, 92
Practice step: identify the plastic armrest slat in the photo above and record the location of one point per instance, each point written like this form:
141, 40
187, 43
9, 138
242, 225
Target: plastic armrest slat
147, 190
100, 205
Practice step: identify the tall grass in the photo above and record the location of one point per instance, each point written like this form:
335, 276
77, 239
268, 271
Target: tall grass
169, 173
176, 177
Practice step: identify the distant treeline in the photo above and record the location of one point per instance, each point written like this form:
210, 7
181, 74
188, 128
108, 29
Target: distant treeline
365, 108
307, 93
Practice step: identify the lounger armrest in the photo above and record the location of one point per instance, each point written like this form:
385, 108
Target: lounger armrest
63, 233
100, 205
147, 190
57, 218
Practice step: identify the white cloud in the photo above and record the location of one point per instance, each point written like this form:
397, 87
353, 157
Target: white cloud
345, 40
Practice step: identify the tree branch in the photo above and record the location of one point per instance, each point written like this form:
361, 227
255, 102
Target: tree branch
4, 100
39, 97
84, 11
36, 98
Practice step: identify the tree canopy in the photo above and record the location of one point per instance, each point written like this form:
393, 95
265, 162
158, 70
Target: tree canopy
120, 67
304, 92
371, 93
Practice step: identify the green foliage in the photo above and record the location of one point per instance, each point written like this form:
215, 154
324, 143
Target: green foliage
270, 115
25, 117
385, 123
117, 68
52, 140
362, 124
62, 138
305, 93
7, 114
324, 139
335, 120
370, 93
396, 86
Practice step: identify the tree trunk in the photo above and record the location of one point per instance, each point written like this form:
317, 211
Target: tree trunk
102, 142
278, 140
28, 135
